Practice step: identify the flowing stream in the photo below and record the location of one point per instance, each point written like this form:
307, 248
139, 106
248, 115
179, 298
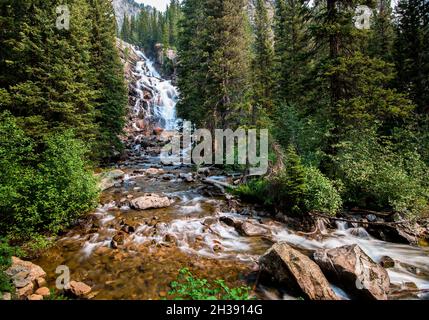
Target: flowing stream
189, 233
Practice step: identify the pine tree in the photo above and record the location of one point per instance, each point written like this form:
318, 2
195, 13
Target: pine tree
112, 98
292, 45
54, 86
125, 31
193, 67
227, 88
411, 51
263, 63
382, 31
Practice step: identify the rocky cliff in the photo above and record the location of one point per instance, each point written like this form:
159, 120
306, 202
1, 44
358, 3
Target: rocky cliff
128, 7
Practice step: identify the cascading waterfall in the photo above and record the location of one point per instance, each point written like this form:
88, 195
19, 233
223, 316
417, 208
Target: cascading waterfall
162, 106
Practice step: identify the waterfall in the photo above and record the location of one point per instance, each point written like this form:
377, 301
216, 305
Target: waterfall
162, 105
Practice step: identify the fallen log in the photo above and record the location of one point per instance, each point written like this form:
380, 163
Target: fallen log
218, 184
358, 221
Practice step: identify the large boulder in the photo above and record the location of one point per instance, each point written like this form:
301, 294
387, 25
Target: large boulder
24, 275
296, 271
151, 201
108, 179
351, 268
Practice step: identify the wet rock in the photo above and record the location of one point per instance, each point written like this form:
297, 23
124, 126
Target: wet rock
25, 292
44, 292
108, 179
387, 262
351, 268
154, 171
210, 221
204, 171
152, 201
404, 234
118, 240
371, 217
251, 230
217, 248
77, 289
41, 282
228, 221
35, 297
128, 229
7, 296
170, 238
168, 177
296, 271
404, 290
158, 131
24, 275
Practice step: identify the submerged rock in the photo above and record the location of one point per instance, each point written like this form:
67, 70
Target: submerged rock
77, 289
296, 271
351, 268
109, 179
251, 230
152, 201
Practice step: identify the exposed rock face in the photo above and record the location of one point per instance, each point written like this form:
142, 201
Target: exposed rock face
151, 201
108, 179
128, 7
351, 267
25, 276
78, 289
251, 9
296, 271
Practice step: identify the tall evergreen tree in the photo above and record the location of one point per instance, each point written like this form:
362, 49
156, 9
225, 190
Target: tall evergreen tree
193, 67
227, 89
52, 83
411, 51
263, 63
112, 98
382, 31
292, 45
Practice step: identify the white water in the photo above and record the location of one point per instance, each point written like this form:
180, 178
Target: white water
165, 95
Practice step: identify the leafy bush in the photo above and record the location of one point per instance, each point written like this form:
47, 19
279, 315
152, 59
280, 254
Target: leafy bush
188, 287
378, 175
321, 194
294, 190
44, 185
6, 253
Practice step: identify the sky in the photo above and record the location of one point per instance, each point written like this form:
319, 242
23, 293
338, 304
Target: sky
159, 4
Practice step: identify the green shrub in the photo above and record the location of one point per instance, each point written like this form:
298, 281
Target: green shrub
44, 185
188, 287
6, 253
256, 190
294, 190
321, 194
380, 176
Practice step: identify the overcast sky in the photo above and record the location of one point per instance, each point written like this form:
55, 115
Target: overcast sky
159, 4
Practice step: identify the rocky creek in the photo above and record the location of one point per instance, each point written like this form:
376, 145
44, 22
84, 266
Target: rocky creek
154, 219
